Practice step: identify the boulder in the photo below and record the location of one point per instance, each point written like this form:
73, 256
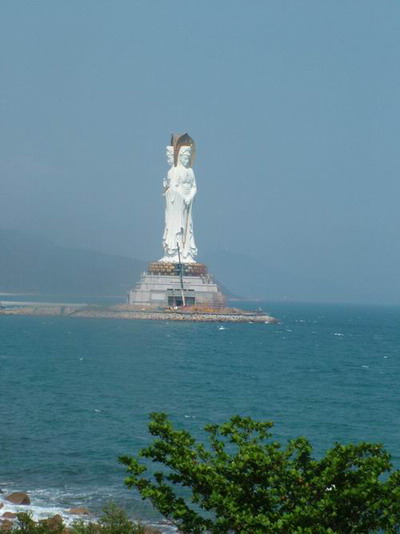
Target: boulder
79, 511
5, 525
9, 515
150, 530
18, 497
54, 523
1, 505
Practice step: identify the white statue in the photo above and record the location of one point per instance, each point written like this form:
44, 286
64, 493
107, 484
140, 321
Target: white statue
179, 191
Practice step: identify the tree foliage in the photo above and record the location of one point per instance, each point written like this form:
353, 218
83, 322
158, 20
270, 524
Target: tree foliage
244, 481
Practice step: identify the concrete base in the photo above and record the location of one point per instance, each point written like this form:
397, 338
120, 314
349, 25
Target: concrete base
166, 291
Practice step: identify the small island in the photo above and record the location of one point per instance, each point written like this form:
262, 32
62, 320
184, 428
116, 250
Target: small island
175, 287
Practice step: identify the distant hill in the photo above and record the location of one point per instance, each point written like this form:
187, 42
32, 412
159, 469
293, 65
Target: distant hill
31, 264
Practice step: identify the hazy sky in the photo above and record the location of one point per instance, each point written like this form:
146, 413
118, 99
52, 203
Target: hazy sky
294, 107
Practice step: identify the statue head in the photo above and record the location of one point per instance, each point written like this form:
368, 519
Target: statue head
179, 141
170, 155
185, 155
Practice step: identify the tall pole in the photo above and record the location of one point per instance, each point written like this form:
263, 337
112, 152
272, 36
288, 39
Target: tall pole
181, 276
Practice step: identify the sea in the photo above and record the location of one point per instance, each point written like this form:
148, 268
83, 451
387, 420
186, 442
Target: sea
76, 393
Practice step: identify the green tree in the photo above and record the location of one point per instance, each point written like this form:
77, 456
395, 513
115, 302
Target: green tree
243, 481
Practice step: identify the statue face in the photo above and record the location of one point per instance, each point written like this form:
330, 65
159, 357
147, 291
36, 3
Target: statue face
170, 155
184, 155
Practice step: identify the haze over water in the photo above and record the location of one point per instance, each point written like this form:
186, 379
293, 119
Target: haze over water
293, 106
76, 393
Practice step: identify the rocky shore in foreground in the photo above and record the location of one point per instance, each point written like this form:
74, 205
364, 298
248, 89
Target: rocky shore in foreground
16, 517
219, 315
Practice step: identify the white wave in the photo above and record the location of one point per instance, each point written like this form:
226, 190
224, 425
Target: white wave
38, 511
42, 510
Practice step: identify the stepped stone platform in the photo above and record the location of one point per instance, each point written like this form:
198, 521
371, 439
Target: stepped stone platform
176, 284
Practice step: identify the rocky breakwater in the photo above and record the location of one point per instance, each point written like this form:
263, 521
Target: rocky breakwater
194, 314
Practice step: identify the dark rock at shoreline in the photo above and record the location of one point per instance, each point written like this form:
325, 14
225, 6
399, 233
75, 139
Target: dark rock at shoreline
53, 523
5, 525
18, 497
79, 511
9, 515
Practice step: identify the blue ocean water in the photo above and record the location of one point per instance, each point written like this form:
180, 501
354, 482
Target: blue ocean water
76, 393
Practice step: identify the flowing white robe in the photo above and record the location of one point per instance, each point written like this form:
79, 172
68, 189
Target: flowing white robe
180, 189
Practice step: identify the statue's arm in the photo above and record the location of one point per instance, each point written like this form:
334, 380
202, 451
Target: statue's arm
165, 185
166, 182
193, 189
